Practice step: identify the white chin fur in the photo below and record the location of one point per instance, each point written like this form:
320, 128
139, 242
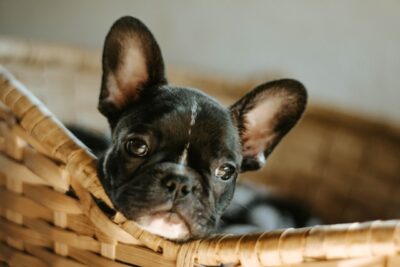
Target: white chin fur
165, 224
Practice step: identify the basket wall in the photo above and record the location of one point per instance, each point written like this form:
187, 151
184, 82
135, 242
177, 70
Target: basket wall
343, 167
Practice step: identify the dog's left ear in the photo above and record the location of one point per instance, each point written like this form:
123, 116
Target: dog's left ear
264, 116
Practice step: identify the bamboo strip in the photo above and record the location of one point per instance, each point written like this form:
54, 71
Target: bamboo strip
107, 245
92, 259
81, 225
19, 172
52, 200
82, 166
155, 243
52, 259
13, 145
16, 187
19, 232
45, 168
99, 219
141, 256
17, 130
6, 116
2, 144
2, 179
14, 257
62, 236
60, 220
23, 205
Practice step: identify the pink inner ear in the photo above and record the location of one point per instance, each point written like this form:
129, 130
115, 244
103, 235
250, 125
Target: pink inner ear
259, 126
125, 83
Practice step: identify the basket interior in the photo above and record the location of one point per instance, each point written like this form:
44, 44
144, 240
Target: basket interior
343, 167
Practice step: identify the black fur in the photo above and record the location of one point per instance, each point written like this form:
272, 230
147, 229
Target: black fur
139, 104
135, 185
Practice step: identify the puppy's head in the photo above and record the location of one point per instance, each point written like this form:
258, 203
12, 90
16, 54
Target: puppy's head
176, 152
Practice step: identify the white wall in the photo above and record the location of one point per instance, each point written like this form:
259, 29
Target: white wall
346, 52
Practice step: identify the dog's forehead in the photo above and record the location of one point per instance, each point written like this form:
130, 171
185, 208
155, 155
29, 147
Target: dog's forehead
195, 110
182, 115
182, 106
200, 122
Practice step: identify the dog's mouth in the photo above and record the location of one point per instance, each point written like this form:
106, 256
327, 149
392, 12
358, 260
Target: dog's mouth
167, 224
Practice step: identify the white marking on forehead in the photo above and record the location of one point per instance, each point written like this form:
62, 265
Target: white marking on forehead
183, 157
194, 114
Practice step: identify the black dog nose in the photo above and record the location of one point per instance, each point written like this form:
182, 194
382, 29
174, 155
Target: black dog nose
178, 186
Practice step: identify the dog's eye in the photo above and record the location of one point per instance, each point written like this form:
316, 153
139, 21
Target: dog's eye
225, 172
137, 147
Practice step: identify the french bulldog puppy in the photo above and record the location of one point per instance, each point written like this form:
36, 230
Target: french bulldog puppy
175, 152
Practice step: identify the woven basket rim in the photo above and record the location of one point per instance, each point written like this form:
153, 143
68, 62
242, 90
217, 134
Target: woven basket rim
81, 164
261, 247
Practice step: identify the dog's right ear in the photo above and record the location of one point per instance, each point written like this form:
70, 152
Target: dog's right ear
132, 62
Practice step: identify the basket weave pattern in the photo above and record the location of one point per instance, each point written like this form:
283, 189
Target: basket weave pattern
41, 225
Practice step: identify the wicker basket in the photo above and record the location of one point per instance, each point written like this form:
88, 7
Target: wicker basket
343, 167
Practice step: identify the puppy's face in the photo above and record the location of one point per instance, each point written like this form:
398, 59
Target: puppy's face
176, 152
173, 162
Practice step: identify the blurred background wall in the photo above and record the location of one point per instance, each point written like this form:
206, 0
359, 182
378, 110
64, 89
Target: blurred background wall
347, 53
